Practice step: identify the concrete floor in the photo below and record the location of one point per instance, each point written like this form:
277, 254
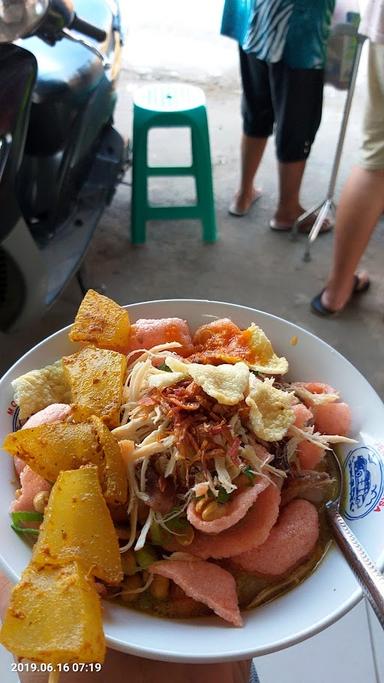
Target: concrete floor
249, 264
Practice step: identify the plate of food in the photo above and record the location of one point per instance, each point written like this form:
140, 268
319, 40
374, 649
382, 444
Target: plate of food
163, 478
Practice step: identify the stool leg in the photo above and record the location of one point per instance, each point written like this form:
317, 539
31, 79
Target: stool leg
139, 201
203, 168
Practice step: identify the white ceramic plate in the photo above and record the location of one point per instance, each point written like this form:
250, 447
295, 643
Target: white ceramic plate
317, 602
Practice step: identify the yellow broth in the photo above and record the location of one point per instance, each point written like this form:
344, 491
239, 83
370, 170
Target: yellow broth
253, 590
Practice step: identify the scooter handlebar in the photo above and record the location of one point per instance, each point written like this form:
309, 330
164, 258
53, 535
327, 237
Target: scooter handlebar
87, 29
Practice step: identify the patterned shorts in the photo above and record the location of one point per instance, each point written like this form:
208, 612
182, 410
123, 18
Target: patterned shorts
281, 99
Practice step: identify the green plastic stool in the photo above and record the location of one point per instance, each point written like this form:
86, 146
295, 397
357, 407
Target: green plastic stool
164, 106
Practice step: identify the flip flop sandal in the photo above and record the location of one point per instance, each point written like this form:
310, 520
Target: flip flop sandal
239, 214
303, 227
359, 287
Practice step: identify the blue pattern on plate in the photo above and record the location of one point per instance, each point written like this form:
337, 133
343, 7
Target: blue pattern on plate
364, 473
16, 422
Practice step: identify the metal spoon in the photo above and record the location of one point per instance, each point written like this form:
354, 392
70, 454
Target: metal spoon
366, 572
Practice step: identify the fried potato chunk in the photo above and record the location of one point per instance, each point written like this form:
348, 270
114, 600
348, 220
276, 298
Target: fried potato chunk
54, 616
96, 379
78, 526
50, 448
115, 483
102, 322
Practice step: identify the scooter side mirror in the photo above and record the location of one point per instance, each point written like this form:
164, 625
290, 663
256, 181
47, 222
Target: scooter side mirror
23, 18
19, 18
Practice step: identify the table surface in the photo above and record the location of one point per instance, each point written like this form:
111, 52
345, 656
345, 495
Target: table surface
351, 650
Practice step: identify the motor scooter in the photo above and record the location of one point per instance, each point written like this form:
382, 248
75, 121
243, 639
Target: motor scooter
60, 156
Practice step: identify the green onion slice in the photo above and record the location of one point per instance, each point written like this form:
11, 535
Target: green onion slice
164, 367
222, 496
26, 517
19, 517
24, 530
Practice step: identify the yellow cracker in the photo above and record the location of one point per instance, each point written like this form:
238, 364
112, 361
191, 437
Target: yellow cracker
40, 388
271, 411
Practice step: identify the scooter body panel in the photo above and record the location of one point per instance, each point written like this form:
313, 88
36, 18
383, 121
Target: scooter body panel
73, 100
65, 166
18, 71
25, 278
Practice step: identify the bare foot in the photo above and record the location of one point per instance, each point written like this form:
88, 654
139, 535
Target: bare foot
284, 221
284, 216
242, 202
337, 300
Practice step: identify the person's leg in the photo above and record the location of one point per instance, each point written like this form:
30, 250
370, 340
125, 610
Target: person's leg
290, 178
258, 119
362, 199
252, 150
297, 96
360, 207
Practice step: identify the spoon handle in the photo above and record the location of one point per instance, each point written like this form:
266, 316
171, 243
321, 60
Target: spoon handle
366, 572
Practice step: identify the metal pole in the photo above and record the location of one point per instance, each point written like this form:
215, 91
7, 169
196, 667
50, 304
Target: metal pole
327, 206
347, 111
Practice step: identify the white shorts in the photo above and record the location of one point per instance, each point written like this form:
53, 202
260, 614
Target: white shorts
372, 149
